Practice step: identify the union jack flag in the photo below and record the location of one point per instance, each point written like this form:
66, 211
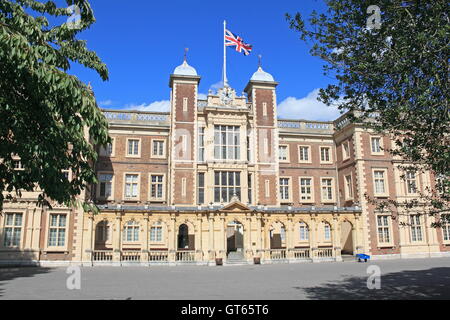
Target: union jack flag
233, 40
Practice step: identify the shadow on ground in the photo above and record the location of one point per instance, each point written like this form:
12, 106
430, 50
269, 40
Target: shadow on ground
421, 284
11, 273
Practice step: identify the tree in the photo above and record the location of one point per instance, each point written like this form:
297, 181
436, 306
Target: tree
390, 61
45, 113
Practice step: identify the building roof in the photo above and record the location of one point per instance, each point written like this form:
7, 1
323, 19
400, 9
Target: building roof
261, 75
185, 70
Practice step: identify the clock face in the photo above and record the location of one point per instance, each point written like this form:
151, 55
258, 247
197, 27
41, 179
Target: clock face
226, 95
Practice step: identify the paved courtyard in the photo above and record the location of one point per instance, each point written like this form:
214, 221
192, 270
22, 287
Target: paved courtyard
400, 279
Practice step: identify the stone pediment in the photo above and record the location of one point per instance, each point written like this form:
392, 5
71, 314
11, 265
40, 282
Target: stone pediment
235, 206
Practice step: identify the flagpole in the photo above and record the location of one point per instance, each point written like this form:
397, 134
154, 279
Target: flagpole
225, 80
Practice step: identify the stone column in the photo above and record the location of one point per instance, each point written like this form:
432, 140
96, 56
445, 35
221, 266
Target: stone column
248, 239
259, 230
211, 249
172, 239
117, 238
290, 239
223, 237
336, 239
198, 239
313, 238
88, 257
145, 248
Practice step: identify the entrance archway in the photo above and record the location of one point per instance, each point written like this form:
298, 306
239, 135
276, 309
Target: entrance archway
346, 238
235, 237
183, 237
277, 235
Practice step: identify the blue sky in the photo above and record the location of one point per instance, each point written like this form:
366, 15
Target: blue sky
142, 42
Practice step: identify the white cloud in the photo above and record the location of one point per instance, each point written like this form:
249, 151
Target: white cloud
157, 106
307, 108
202, 96
105, 103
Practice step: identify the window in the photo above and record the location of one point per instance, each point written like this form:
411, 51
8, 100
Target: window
158, 148
133, 148
348, 187
226, 185
376, 144
201, 144
284, 189
105, 185
131, 232
346, 150
446, 226
250, 187
157, 187
57, 231
283, 153
249, 151
327, 232
131, 186
327, 189
304, 232
411, 182
383, 229
103, 232
108, 150
227, 142
156, 232
13, 229
380, 182
201, 187
325, 154
416, 228
306, 190
303, 154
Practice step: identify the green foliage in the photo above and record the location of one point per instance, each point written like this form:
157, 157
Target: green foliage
48, 118
396, 75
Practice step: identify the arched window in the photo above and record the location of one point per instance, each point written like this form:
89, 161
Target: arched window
131, 231
156, 232
326, 231
183, 237
304, 232
103, 232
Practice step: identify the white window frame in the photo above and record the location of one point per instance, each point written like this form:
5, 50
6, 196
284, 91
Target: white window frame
333, 191
156, 226
380, 146
133, 227
416, 183
445, 228
385, 180
327, 230
138, 155
289, 189
158, 156
345, 150
414, 227
124, 195
287, 152
13, 226
330, 155
104, 150
311, 186
348, 187
99, 196
386, 225
309, 160
163, 183
66, 233
305, 227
